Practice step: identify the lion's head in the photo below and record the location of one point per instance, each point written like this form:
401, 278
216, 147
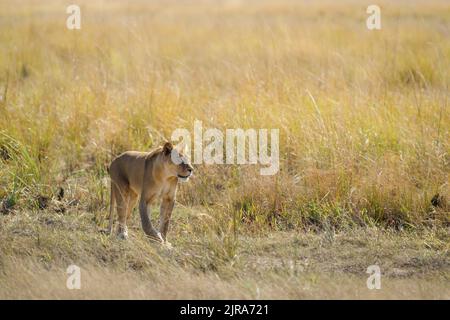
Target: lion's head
177, 163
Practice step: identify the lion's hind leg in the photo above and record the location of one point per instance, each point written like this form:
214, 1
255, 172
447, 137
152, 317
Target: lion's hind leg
122, 200
112, 203
132, 201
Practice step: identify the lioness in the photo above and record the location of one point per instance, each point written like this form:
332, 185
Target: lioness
148, 175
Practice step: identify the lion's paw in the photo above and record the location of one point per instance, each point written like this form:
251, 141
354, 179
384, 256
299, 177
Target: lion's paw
168, 245
123, 234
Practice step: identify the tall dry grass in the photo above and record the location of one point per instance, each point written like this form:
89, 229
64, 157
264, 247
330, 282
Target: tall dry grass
363, 115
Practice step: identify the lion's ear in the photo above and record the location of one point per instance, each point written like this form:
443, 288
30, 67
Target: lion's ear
167, 149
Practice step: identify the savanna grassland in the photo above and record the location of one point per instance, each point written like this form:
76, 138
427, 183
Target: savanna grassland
364, 147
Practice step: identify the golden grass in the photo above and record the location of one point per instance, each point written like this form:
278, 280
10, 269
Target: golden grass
33, 282
363, 117
36, 250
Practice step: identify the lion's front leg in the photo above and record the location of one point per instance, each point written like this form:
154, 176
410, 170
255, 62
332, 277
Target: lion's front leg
144, 206
165, 213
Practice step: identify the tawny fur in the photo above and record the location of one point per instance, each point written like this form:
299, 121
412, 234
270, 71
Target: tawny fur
148, 176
